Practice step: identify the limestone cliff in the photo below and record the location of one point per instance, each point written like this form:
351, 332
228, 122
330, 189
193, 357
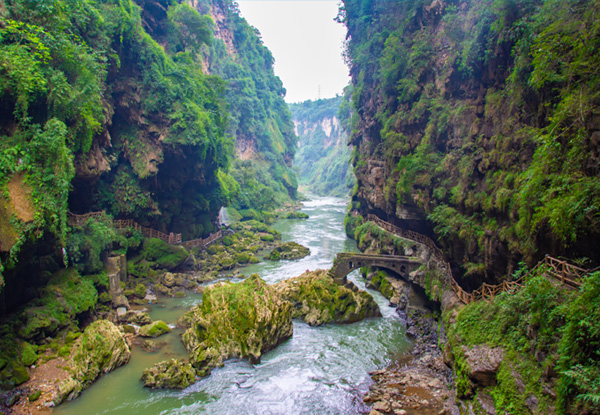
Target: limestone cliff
323, 153
474, 126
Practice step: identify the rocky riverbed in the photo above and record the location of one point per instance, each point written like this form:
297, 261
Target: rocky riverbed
420, 382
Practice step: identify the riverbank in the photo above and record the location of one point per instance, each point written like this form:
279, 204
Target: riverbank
420, 382
319, 370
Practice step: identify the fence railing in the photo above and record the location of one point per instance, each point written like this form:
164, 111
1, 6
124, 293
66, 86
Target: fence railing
561, 270
170, 238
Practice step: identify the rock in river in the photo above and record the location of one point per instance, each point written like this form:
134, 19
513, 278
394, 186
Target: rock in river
318, 300
236, 320
170, 374
154, 329
289, 250
101, 349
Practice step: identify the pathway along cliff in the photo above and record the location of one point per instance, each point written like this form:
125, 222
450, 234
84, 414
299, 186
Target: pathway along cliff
320, 370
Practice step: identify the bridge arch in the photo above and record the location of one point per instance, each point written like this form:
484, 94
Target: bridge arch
345, 263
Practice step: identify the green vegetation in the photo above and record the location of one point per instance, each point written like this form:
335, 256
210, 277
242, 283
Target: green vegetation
288, 250
484, 116
238, 249
260, 177
170, 374
101, 349
236, 320
85, 89
369, 235
549, 335
323, 155
65, 296
154, 329
318, 300
379, 281
156, 255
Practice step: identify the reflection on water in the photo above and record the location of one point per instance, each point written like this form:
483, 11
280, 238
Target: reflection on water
320, 370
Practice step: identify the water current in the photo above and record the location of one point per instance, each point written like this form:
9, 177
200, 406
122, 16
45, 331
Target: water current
320, 370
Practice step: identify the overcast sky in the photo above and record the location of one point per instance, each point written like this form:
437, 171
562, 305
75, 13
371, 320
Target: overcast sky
306, 43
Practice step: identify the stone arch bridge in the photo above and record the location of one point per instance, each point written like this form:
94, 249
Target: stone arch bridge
347, 262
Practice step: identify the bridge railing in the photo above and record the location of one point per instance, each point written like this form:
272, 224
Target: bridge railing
561, 270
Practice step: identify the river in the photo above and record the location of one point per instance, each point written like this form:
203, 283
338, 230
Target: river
320, 370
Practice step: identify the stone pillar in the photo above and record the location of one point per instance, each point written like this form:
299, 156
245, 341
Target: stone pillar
115, 271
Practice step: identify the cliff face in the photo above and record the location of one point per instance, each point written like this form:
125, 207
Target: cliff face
323, 154
477, 123
135, 108
259, 121
104, 108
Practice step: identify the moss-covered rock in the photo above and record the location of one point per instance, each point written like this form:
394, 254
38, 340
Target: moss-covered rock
169, 374
66, 295
154, 329
140, 319
101, 349
236, 320
139, 291
28, 354
296, 215
156, 254
318, 300
289, 250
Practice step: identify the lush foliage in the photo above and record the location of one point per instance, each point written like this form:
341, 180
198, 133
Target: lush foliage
260, 120
485, 115
87, 93
323, 155
547, 332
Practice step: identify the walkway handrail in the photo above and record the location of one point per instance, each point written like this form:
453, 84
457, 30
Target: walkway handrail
561, 270
170, 238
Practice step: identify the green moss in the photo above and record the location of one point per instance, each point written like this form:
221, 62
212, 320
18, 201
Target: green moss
537, 320
99, 350
242, 258
154, 329
19, 375
171, 374
318, 300
267, 238
289, 250
140, 290
156, 255
66, 295
28, 354
296, 215
379, 281
104, 298
236, 320
34, 396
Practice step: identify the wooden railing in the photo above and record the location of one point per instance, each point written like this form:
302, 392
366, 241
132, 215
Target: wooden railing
78, 220
203, 242
561, 270
170, 238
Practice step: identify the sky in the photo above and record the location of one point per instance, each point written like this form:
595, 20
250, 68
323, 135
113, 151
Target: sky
306, 43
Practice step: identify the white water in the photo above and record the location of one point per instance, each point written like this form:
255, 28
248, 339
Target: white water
320, 370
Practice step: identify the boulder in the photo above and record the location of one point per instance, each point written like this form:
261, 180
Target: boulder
137, 318
119, 300
318, 299
170, 374
289, 250
241, 320
101, 349
154, 329
168, 280
484, 363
